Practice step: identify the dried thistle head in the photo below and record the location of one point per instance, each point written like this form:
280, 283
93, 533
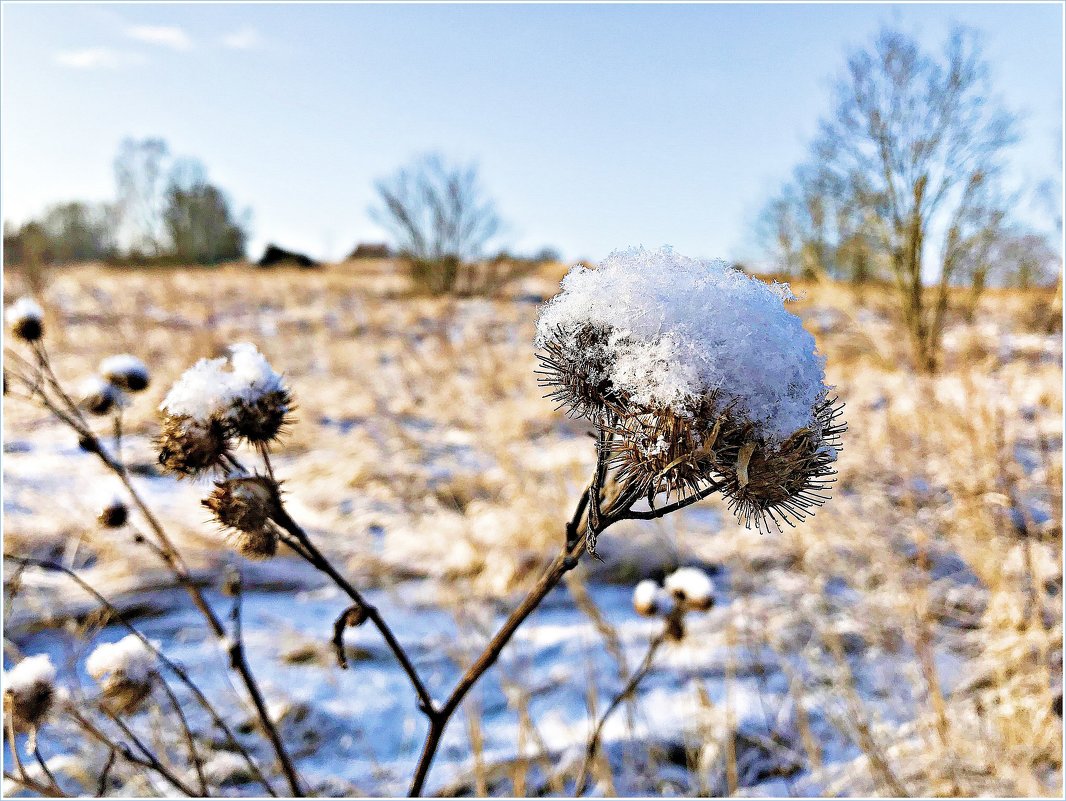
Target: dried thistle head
263, 418
574, 367
126, 372
188, 446
768, 482
113, 514
29, 692
25, 317
244, 505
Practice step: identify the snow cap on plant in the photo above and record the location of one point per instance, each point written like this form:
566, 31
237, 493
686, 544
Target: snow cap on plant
29, 690
700, 374
113, 512
125, 671
99, 396
651, 600
692, 588
217, 400
25, 317
244, 504
260, 402
126, 372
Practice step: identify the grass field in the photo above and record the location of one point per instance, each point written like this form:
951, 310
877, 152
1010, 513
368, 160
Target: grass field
906, 640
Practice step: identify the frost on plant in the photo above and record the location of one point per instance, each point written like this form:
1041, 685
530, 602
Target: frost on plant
701, 374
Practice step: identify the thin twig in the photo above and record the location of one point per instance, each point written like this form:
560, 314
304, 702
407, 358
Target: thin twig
318, 560
189, 739
153, 760
101, 785
594, 739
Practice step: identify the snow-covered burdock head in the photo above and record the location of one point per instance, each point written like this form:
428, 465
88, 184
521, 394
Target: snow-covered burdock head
243, 505
25, 318
100, 397
702, 377
125, 671
29, 690
126, 372
692, 588
216, 400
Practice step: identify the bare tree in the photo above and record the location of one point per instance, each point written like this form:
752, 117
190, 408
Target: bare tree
919, 142
141, 176
439, 217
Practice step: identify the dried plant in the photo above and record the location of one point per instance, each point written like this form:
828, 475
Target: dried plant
695, 378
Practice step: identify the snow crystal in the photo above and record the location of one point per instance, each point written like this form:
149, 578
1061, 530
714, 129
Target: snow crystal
128, 658
29, 672
691, 584
208, 388
679, 328
24, 309
124, 364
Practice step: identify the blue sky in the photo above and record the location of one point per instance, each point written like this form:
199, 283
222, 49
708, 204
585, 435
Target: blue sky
596, 126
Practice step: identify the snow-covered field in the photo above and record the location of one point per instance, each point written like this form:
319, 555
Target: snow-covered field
908, 637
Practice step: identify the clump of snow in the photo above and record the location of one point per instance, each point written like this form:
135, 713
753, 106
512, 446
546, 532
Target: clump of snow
691, 585
29, 673
211, 387
253, 377
128, 658
24, 310
679, 328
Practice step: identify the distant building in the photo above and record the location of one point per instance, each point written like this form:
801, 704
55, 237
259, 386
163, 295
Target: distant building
274, 256
371, 250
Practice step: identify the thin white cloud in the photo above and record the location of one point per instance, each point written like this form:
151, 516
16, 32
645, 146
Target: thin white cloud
162, 35
96, 58
243, 39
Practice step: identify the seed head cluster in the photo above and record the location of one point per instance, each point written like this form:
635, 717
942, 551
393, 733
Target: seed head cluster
687, 589
216, 402
701, 377
243, 505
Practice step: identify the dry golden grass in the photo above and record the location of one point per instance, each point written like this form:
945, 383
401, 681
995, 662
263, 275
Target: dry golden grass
421, 425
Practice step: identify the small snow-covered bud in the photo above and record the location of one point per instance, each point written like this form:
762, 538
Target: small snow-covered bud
125, 372
125, 671
114, 513
25, 317
651, 600
245, 504
260, 402
100, 397
29, 691
692, 588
